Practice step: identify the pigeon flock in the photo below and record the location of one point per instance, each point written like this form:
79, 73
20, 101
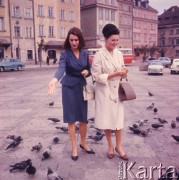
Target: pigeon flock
137, 128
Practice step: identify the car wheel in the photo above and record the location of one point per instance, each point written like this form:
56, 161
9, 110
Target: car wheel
1, 69
19, 68
171, 72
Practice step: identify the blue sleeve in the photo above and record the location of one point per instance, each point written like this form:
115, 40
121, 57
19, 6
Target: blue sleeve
62, 66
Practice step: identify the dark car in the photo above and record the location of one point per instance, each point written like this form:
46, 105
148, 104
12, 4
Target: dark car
11, 64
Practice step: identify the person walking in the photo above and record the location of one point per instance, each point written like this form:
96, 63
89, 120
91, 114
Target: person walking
47, 60
74, 63
107, 70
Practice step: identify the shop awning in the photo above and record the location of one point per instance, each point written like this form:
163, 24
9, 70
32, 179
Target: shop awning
54, 44
5, 43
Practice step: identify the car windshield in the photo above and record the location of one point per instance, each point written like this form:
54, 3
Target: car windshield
155, 62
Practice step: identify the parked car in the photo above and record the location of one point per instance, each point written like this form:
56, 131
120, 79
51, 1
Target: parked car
155, 67
175, 66
165, 61
11, 64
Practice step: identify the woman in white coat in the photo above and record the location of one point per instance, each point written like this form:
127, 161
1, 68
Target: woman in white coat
107, 70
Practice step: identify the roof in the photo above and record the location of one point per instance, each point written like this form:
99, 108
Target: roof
170, 16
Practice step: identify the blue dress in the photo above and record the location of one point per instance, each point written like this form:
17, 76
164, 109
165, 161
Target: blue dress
69, 71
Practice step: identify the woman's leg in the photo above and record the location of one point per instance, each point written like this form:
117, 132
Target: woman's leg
72, 134
118, 134
83, 132
109, 140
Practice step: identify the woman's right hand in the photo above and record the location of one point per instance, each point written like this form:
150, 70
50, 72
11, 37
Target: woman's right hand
51, 86
122, 72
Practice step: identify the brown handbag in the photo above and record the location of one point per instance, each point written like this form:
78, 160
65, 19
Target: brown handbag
126, 91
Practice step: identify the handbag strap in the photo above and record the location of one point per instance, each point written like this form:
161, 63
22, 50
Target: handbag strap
93, 81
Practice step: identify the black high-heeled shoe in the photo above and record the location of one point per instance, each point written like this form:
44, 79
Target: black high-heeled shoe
74, 158
89, 152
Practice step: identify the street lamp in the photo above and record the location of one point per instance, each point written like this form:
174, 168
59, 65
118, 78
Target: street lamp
40, 48
18, 36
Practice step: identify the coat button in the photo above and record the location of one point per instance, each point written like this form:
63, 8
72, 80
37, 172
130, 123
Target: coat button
115, 101
114, 86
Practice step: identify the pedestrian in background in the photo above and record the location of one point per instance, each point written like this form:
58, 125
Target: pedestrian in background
74, 63
107, 70
47, 60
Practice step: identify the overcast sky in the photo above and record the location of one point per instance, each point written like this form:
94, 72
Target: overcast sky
160, 5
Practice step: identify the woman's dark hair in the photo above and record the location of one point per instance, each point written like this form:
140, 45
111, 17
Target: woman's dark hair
109, 30
77, 32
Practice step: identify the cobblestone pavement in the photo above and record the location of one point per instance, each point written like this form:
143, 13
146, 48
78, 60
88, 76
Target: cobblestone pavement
24, 111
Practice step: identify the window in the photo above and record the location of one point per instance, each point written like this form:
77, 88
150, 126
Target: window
71, 16
28, 31
71, 1
100, 13
1, 3
112, 15
162, 32
162, 42
177, 31
106, 1
41, 30
16, 11
177, 41
171, 41
27, 13
100, 30
62, 15
17, 31
29, 54
171, 31
107, 14
113, 2
50, 11
1, 23
40, 10
51, 31
63, 35
177, 52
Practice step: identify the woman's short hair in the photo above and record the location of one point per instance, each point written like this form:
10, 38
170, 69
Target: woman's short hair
109, 30
77, 32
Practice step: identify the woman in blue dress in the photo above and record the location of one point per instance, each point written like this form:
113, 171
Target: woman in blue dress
73, 68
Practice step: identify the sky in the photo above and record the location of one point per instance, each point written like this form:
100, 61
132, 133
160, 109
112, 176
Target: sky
160, 5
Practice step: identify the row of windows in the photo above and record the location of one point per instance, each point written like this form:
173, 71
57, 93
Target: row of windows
145, 37
145, 15
171, 31
170, 41
106, 14
125, 20
124, 33
41, 31
28, 12
139, 25
124, 7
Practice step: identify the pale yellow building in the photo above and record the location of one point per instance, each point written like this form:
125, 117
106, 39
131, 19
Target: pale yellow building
32, 29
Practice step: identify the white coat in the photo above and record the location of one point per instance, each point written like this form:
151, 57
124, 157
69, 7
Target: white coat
109, 111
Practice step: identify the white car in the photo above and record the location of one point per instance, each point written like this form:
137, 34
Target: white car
175, 66
155, 67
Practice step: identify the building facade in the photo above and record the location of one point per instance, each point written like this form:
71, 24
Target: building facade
32, 29
94, 15
168, 32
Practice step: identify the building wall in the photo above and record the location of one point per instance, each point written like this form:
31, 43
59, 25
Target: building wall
5, 31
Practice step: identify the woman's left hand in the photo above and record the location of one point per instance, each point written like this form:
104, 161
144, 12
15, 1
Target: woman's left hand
84, 72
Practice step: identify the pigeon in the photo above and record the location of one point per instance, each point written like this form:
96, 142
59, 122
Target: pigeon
31, 170
156, 126
52, 175
173, 124
162, 121
54, 119
15, 138
21, 165
134, 130
96, 138
145, 132
176, 138
51, 104
99, 133
37, 147
168, 175
77, 127
150, 94
56, 139
91, 119
47, 153
64, 129
150, 107
136, 125
14, 144
95, 128
155, 110
177, 118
